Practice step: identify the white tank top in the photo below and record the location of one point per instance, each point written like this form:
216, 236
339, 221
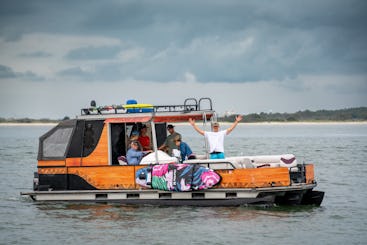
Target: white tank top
216, 140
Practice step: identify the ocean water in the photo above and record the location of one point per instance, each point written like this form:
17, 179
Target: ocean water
339, 152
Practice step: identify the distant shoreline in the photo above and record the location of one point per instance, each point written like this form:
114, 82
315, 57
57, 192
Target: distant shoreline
28, 124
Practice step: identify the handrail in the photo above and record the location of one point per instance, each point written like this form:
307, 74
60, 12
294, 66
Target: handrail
188, 107
210, 103
210, 162
190, 104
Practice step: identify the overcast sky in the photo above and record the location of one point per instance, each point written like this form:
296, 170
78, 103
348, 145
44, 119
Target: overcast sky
248, 56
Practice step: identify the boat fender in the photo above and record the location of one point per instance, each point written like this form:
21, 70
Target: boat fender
287, 161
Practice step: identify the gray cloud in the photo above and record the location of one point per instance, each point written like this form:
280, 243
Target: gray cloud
249, 56
7, 72
290, 38
36, 54
93, 53
108, 72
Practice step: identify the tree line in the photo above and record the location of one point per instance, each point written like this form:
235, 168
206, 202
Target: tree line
350, 114
30, 120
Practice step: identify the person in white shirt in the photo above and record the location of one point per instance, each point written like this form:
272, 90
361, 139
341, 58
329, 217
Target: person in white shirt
215, 138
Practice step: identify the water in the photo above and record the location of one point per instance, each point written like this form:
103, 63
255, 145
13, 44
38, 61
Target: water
338, 151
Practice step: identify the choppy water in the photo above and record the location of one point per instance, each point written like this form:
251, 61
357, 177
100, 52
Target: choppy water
338, 151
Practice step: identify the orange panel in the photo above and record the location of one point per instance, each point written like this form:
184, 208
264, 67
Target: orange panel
109, 177
99, 157
52, 170
310, 174
251, 178
73, 162
52, 163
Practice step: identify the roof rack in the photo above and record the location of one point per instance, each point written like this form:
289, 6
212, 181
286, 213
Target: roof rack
190, 104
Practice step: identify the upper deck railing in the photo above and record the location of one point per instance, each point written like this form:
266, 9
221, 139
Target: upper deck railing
189, 105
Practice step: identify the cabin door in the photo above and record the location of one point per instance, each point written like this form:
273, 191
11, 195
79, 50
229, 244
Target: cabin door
117, 142
161, 133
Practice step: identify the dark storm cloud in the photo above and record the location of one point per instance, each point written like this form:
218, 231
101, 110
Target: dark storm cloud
220, 41
7, 72
289, 37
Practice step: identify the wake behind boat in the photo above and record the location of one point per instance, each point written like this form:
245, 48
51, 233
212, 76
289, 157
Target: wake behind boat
83, 159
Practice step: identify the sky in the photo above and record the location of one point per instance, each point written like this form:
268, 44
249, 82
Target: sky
247, 56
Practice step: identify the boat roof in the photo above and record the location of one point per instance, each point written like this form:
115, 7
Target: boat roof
201, 109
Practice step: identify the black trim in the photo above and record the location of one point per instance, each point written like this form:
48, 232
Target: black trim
92, 134
78, 183
59, 182
118, 144
76, 145
313, 198
52, 181
160, 133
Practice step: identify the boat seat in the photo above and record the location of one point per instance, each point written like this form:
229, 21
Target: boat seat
240, 162
162, 158
271, 161
285, 160
213, 163
202, 157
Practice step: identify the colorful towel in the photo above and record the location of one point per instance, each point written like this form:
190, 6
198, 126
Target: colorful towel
177, 177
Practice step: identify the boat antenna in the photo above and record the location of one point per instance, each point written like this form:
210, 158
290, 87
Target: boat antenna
205, 140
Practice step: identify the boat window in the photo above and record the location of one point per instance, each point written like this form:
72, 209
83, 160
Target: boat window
55, 144
92, 133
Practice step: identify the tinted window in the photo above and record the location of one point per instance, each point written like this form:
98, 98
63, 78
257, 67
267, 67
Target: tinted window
92, 133
55, 144
161, 133
76, 144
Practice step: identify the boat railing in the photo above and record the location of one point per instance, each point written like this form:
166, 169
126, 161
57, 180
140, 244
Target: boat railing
190, 104
214, 164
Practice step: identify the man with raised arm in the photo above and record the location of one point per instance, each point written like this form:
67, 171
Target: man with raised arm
215, 138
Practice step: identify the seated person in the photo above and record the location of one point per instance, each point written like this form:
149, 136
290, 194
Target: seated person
134, 137
170, 140
144, 138
133, 155
184, 148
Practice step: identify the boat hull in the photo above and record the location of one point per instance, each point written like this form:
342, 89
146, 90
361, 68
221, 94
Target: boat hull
294, 195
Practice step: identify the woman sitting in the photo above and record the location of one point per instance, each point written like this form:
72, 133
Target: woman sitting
134, 155
185, 151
